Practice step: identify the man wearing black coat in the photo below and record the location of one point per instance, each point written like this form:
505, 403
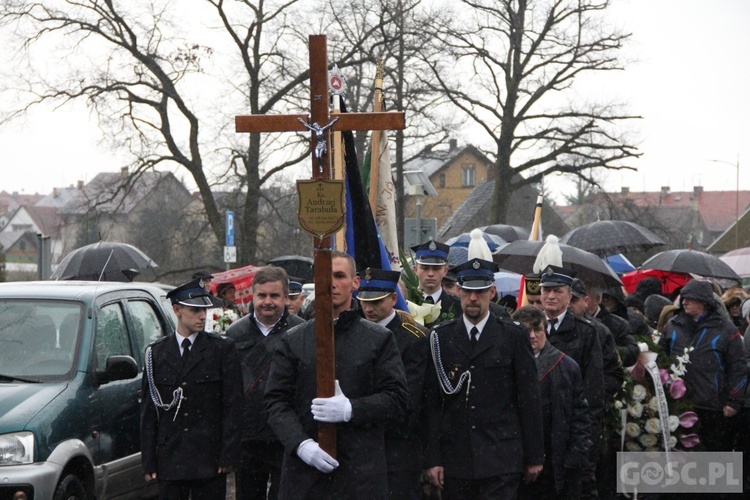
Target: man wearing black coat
372, 391
621, 329
257, 336
403, 438
191, 409
565, 411
484, 416
431, 266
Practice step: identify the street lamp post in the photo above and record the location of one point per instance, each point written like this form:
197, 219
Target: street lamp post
737, 200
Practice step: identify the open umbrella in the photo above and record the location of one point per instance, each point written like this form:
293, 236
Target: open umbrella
519, 256
295, 265
739, 261
669, 281
507, 232
691, 262
507, 283
463, 239
103, 261
241, 278
606, 237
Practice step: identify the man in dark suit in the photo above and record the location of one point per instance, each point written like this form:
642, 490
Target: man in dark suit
257, 336
192, 404
431, 266
403, 438
483, 402
372, 391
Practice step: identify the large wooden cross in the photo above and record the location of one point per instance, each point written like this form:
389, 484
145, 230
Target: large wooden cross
321, 116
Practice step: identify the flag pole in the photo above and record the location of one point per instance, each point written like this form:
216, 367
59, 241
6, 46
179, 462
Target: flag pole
534, 236
377, 107
337, 87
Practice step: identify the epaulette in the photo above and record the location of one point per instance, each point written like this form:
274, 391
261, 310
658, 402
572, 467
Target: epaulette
159, 340
503, 319
217, 336
444, 324
413, 329
585, 320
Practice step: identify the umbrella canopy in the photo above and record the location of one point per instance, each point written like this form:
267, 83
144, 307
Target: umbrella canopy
606, 237
519, 256
619, 263
241, 278
507, 283
507, 232
691, 262
463, 239
295, 265
670, 281
739, 261
103, 261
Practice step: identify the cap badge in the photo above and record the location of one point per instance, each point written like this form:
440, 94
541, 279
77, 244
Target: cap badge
476, 264
550, 271
368, 275
432, 246
201, 284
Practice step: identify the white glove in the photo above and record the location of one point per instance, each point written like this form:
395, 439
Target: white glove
310, 452
335, 409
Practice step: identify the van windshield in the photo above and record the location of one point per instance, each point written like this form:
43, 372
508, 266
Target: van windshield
38, 338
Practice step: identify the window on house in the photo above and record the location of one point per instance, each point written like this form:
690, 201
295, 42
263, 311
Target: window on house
441, 181
468, 176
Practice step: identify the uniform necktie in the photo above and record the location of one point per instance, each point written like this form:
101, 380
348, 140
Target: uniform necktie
185, 350
552, 323
474, 336
429, 300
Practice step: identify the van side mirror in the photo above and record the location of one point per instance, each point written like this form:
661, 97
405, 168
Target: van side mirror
118, 368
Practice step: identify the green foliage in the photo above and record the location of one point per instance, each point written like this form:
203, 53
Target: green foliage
413, 294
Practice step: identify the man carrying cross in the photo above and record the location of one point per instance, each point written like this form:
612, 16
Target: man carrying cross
371, 390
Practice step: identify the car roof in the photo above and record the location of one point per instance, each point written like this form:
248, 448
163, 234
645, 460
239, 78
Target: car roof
72, 290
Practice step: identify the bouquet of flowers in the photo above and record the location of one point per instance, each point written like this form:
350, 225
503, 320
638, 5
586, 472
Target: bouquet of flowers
656, 410
218, 320
424, 314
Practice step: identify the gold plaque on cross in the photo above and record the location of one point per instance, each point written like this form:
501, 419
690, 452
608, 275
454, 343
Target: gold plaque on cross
321, 206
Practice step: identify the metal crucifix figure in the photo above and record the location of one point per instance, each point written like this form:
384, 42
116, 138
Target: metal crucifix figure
320, 142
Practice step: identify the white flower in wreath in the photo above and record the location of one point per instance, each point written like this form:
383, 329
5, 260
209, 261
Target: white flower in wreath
639, 392
672, 442
619, 404
635, 410
653, 425
631, 446
674, 423
648, 440
632, 429
653, 404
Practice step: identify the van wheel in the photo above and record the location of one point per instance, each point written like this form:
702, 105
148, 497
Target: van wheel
70, 488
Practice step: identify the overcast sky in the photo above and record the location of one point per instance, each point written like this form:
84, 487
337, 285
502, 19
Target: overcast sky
687, 76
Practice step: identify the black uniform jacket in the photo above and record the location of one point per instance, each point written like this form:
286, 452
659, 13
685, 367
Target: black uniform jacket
577, 337
204, 435
450, 308
496, 428
404, 438
256, 351
370, 374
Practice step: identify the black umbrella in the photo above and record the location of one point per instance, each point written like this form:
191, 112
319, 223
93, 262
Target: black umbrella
606, 237
507, 232
103, 261
519, 256
295, 265
691, 262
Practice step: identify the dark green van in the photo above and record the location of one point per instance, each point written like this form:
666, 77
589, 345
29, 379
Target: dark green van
71, 358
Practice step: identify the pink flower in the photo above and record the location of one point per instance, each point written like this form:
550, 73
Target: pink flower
664, 374
688, 419
677, 389
690, 440
638, 372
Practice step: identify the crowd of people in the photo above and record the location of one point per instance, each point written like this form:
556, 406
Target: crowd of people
493, 399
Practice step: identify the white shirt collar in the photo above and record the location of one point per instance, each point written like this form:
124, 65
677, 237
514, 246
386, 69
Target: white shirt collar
435, 296
265, 330
559, 321
480, 326
179, 338
384, 322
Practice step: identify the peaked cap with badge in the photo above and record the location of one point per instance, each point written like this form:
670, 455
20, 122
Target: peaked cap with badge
376, 284
476, 274
295, 286
191, 294
554, 276
432, 253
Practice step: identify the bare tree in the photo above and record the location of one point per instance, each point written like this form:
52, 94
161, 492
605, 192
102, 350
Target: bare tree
158, 79
513, 61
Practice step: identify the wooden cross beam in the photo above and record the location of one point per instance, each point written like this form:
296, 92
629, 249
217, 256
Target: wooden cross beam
321, 117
